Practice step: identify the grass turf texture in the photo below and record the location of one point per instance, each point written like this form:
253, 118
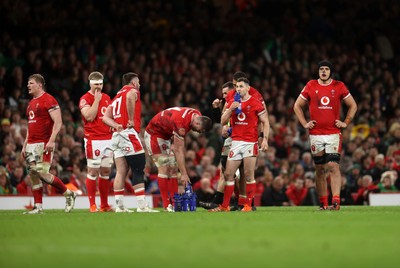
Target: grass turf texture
270, 237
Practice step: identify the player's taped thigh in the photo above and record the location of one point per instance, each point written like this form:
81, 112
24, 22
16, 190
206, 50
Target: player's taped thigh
107, 162
137, 163
165, 160
94, 163
320, 159
332, 157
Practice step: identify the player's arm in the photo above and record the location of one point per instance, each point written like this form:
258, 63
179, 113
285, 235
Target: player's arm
90, 112
23, 151
179, 151
260, 125
131, 97
352, 105
109, 120
298, 110
226, 115
55, 115
263, 119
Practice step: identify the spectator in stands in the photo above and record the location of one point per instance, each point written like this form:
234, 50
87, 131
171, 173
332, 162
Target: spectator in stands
296, 192
346, 197
5, 185
311, 198
378, 168
275, 195
367, 186
387, 182
205, 194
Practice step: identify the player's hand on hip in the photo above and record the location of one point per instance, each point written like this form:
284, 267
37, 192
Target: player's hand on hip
130, 124
340, 124
119, 128
310, 125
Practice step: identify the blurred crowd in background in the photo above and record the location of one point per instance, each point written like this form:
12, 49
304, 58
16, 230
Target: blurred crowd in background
184, 51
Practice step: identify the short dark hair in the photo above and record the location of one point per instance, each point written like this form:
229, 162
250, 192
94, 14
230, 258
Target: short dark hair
38, 78
127, 78
243, 79
206, 123
239, 74
228, 85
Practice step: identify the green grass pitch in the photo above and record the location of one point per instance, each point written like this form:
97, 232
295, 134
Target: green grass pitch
270, 237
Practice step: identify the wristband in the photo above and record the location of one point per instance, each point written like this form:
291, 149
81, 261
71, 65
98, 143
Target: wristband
347, 121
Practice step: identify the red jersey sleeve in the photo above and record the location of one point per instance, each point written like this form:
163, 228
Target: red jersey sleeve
305, 93
230, 95
345, 93
51, 103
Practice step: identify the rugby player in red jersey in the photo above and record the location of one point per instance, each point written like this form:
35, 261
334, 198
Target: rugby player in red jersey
245, 187
124, 116
44, 123
93, 105
244, 148
324, 97
172, 124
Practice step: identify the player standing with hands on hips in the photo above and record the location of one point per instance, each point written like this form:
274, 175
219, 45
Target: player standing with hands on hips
323, 97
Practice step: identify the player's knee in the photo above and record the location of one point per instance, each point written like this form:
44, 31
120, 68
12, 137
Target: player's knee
319, 160
249, 175
104, 172
33, 170
229, 176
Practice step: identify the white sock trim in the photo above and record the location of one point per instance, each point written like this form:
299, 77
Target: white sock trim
90, 177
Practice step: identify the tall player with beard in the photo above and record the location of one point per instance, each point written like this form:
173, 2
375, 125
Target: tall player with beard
44, 123
93, 105
172, 125
324, 97
244, 148
124, 116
